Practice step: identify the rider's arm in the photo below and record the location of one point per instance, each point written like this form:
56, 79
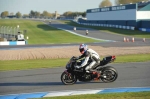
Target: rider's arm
80, 57
87, 56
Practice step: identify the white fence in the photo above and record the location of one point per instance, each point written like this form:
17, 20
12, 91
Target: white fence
8, 32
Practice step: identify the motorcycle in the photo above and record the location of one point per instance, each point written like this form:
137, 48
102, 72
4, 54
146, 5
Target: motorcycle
106, 73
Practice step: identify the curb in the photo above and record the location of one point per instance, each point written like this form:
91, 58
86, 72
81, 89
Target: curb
77, 92
13, 43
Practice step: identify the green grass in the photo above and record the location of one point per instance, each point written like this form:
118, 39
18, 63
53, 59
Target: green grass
127, 95
40, 33
133, 58
50, 63
31, 64
135, 33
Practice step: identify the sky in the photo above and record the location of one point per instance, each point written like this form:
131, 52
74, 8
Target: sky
61, 6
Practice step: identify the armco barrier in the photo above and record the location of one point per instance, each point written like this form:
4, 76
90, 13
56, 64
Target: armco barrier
13, 42
77, 92
109, 25
144, 29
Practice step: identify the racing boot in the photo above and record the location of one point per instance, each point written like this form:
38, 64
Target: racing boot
97, 74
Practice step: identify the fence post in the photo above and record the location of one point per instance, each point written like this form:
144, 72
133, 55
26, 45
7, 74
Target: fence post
14, 31
4, 31
1, 32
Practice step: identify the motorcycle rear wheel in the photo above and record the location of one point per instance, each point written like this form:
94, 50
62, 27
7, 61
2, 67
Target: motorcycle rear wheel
68, 79
109, 75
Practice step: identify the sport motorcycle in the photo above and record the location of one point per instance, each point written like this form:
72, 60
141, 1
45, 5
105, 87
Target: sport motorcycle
106, 73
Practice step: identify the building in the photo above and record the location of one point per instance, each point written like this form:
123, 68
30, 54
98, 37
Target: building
135, 15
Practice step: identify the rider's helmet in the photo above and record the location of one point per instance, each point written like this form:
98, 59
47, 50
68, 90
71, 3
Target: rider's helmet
83, 48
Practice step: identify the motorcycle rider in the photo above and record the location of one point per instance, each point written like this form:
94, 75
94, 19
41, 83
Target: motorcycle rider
88, 54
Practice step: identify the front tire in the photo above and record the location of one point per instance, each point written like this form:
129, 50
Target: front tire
109, 74
68, 78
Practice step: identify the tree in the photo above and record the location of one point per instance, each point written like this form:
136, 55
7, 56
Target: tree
4, 14
32, 13
53, 15
37, 14
18, 15
68, 13
25, 15
104, 3
46, 14
84, 14
74, 14
118, 2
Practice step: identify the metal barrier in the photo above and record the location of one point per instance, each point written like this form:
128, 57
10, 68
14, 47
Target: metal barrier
9, 33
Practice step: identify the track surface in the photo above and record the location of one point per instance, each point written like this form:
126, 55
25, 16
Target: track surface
92, 33
43, 80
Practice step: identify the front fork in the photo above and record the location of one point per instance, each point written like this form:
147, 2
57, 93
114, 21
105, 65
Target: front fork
68, 74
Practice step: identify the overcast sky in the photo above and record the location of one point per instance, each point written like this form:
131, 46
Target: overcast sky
61, 6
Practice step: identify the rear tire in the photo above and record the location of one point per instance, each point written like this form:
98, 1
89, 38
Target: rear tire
109, 74
68, 80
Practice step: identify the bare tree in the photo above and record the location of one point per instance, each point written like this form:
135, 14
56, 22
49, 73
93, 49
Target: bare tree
104, 3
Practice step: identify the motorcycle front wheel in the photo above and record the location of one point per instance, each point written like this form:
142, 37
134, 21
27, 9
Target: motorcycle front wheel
68, 78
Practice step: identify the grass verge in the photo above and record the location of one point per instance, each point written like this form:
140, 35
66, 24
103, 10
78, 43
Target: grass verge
50, 63
135, 33
127, 95
40, 33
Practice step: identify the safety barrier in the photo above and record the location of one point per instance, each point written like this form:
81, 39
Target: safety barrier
109, 25
144, 29
13, 42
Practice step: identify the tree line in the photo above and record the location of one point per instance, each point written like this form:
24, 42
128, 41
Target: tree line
108, 3
44, 14
32, 14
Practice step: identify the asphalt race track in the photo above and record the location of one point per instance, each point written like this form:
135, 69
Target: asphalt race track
44, 80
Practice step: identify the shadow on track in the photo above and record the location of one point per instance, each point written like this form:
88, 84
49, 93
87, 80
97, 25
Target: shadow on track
31, 84
40, 83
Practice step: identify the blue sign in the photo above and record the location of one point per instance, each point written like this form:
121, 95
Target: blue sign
113, 8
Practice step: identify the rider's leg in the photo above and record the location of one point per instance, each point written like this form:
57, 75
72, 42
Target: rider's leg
90, 66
